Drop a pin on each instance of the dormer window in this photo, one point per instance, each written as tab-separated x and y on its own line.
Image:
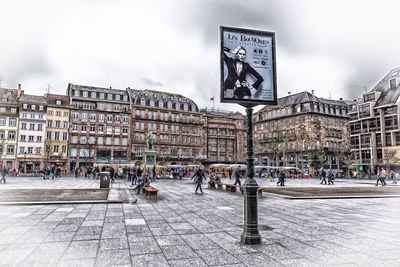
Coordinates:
369	97
41	108
85	93
33	107
76	92
93	94
143	101
58	102
101	95
393	83
117	97
9	93
4	99
25	106
109	96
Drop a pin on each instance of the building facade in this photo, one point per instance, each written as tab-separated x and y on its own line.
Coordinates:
57	130
31	134
9	118
100	125
225	134
303	131
176	123
374	126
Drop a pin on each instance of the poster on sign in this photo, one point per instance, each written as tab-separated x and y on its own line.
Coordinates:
248	67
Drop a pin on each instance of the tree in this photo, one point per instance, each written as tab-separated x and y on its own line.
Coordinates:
317	158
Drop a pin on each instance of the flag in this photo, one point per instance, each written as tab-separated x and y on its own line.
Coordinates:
212	99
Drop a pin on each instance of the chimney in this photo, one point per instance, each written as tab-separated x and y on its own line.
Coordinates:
289	93
312	92
19	90
341	99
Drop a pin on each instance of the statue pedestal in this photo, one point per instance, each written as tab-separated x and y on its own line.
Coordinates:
149	158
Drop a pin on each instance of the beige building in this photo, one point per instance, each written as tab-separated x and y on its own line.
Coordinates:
303	131
176	123
226	136
9	119
57	130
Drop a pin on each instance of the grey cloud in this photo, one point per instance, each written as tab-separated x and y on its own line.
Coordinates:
151	83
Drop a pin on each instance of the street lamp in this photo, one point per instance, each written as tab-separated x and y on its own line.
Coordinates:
25	162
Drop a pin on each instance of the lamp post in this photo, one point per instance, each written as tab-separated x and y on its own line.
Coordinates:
250	235
25	162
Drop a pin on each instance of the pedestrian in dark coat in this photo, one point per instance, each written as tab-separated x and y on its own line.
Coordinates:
199	179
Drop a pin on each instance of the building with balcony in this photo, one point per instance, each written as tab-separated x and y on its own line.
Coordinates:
31	134
57	130
374	126
99	126
176	123
225	134
9	119
303	131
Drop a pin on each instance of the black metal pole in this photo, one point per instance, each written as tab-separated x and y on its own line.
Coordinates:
250	235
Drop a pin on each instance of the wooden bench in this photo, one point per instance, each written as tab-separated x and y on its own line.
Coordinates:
150	192
219	186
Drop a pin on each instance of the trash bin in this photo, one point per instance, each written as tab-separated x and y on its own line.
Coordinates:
104	180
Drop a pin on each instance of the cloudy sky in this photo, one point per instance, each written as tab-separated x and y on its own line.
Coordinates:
336	48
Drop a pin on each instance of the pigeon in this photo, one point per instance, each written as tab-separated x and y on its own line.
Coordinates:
134	202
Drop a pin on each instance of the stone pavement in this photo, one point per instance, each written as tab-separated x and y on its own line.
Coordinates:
183	228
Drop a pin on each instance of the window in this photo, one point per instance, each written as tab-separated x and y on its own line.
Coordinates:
92	116
100	140
109	129
116	141
92	140
22	138
31	126
32	116
2	121
109	118
58	124
392	83
83	128
83	139
109	96
74	139
41	108
117	130
124	141
13	110
100	129
10	149
92	128
85	93
101	95
65	125
108	140
48	135
125	98
126	119
56	136
21	150
63	149
11	135
93	94
101	117
76	93
65	136
38	139
118	119
12	122
84	116
117	97
55	149
124	131
74	127
33	107
75	116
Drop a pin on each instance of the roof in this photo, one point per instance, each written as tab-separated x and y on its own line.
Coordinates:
304	97
34	99
383	84
52	100
388	97
97	89
11	95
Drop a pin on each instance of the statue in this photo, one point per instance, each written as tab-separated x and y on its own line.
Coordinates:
149	140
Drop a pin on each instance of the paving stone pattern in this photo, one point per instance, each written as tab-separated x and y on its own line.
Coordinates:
186	229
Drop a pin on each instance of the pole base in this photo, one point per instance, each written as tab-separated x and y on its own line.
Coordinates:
250	239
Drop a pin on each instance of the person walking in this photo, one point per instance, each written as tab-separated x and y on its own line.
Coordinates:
383	177
331	177
134	176
4	173
396	177
237	177
76	172
323	176
378	177
199	179
281	179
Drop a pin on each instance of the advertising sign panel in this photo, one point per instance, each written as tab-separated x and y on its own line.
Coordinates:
248	71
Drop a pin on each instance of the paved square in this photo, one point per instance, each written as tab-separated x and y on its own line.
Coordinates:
182	228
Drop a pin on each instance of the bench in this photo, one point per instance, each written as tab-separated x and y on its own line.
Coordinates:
150	192
228	187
